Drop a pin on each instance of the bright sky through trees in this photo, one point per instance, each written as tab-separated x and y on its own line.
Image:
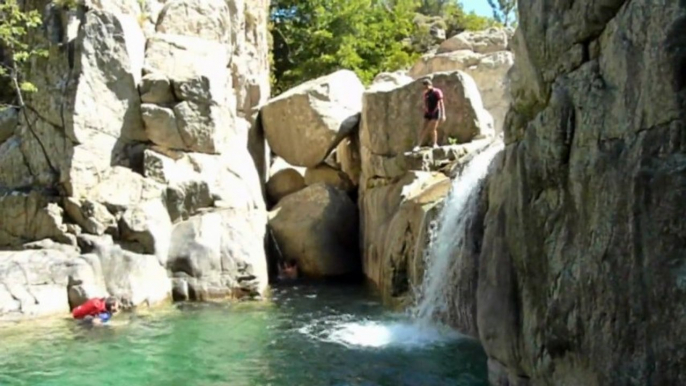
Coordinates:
481	7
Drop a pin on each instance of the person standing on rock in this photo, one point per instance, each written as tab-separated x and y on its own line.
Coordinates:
434	113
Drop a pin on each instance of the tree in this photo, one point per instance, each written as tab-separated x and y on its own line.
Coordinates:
311	38
314	37
434	7
15	24
504	11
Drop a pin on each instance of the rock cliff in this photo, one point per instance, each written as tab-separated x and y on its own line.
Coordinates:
582	272
486	56
400	192
138	155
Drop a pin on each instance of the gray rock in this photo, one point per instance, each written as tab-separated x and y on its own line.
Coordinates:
157	89
305	123
582	273
219	254
317	227
283	183
9	119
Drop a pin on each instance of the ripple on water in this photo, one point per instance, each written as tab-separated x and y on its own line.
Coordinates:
338	337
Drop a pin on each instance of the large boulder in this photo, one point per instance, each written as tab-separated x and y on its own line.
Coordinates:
35	283
392	118
283	183
123	188
330	176
483	42
582	273
490	72
42	282
207	19
304	124
317	227
133	277
195	67
148	224
219	254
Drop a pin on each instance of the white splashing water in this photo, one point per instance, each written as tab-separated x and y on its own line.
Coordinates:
355	333
448	236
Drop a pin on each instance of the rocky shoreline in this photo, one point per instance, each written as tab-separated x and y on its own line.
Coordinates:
153	160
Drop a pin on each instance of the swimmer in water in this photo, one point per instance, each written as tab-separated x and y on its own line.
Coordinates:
289	271
97	310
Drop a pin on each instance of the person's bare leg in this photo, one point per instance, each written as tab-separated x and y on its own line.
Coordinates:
422	134
434	132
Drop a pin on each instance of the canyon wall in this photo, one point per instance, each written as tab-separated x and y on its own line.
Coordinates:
133	171
583	269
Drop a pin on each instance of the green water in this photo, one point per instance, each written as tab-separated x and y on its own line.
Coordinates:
305	335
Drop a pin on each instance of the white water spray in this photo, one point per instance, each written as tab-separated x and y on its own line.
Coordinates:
449	236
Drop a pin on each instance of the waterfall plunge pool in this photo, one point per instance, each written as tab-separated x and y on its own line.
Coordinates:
307	335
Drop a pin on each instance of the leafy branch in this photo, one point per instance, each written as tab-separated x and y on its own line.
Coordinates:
15	24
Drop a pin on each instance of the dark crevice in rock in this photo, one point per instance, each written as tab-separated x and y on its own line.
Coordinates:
26	162
586	50
44	119
675	44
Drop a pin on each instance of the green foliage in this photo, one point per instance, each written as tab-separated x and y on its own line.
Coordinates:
311	38
457	20
68	4
504	11
434	7
14	27
316	37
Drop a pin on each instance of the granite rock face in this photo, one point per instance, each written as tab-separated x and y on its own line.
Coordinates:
304	124
582	272
486	56
142	124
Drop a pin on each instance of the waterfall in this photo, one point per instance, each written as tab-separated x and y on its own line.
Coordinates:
448	236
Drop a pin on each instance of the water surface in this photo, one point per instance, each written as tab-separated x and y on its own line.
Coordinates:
305	335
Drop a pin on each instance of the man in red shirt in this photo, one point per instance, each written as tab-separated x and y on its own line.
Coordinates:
434	113
97	309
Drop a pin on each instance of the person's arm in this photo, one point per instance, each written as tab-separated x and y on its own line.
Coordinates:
441	106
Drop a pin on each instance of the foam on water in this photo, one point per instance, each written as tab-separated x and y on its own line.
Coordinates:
377	334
